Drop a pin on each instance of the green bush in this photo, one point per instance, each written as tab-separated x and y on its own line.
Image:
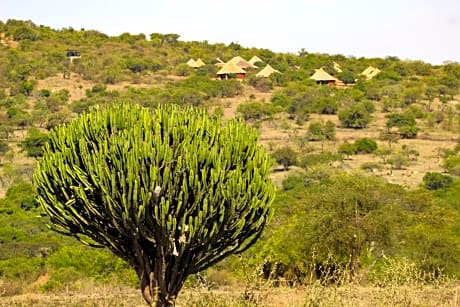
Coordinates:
452	164
436	181
408	132
356	117
256	110
23	269
365	145
371	166
22	195
285	156
310	160
293	182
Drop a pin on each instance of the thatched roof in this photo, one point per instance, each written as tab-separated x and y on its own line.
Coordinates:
370	72
241	62
199	63
266	71
230	68
219	63
337	67
192	63
254	60
321	75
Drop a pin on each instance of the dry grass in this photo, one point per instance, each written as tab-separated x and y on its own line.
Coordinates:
282	131
447	294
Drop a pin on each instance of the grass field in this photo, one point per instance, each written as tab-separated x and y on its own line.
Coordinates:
447	294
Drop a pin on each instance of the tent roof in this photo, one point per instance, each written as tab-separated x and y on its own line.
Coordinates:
337	67
254	60
370	72
266	71
192	63
200	62
219	63
321	75
241	62
230	68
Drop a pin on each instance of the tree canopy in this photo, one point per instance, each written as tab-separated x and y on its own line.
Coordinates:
171	192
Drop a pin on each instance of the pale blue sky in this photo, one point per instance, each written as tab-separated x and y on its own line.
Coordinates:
427	30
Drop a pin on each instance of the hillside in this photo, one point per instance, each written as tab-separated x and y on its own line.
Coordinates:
366	158
428	143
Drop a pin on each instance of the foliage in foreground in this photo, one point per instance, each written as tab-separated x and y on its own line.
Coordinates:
170	191
339	221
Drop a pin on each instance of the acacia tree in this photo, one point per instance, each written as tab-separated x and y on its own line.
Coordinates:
171	191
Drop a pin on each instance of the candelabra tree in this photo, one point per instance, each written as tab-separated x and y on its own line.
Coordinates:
172	191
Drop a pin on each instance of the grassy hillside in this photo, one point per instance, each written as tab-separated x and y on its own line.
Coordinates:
367	172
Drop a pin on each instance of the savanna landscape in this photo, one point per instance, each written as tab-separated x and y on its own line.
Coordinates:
365	166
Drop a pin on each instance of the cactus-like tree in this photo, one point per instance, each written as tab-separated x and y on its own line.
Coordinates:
171	191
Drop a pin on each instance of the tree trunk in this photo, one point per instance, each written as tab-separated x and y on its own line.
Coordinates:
152	294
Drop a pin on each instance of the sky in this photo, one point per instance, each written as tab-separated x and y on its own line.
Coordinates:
426	30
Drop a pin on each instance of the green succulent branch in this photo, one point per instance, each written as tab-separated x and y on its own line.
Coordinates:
172	191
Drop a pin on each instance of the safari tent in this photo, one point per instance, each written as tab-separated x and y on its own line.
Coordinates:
239	61
322	77
267	71
255	59
200	63
192	63
337	67
219	63
370	72
229	69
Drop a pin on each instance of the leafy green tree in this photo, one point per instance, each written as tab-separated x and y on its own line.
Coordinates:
285	156
329	130
408	132
356	117
326	105
405	122
347	149
365	145
34	142
412	95
436	181
170	191
337	228
347	76
318	131
256	110
18	117
27	87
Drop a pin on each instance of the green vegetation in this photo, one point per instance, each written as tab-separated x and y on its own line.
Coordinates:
171	192
394	225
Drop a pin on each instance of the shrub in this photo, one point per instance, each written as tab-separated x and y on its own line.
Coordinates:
436	181
347	149
285	156
293	182
22	194
356	117
319	158
255	110
326	105
452	164
371	166
365	145
408	132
